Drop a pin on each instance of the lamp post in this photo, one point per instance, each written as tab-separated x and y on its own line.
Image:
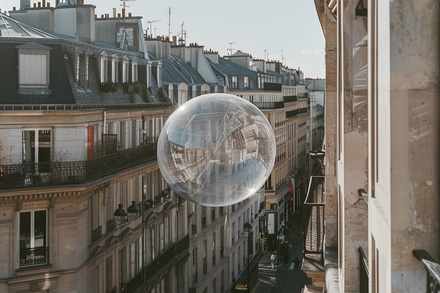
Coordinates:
248	228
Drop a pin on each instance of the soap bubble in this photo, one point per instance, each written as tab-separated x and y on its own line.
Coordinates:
216	150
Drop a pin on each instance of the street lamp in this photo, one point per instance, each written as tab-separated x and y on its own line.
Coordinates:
120	213
248	228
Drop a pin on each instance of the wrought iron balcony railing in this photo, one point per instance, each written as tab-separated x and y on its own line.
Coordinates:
314	210
75	172
158	264
34	256
432	269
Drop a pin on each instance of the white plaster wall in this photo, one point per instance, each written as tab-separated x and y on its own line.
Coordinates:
11	146
70	144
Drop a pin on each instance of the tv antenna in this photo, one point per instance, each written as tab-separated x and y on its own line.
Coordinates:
124	6
151	25
230	47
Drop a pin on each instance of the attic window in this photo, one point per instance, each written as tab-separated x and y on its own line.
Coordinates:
33	69
234	82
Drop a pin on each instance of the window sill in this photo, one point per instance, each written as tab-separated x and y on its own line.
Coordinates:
34	91
36	267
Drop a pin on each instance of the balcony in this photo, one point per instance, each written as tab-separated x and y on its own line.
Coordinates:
75	172
432	270
288	99
269	105
314	205
174	253
30	257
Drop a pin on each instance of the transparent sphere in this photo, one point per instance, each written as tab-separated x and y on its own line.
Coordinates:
216	150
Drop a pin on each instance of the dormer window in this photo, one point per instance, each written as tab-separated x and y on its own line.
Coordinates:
234	82
246	82
33	69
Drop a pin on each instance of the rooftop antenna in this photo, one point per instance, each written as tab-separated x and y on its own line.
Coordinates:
124	6
151	25
230	49
169	22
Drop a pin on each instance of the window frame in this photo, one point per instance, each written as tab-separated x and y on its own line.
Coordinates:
26	65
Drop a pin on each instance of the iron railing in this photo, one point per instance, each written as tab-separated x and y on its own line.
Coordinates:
314	205
432	269
34	256
363	272
149	272
75	172
269	105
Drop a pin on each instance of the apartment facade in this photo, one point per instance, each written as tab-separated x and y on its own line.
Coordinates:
381	160
85	207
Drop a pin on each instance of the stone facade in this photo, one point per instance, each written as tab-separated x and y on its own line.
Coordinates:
380	152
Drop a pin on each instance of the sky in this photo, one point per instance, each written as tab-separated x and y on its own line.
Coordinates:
282	30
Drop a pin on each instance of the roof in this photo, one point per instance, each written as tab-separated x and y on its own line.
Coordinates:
175	70
229	68
13	28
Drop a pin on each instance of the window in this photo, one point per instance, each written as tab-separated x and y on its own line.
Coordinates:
234	83
246	82
125	71
222	241
104	69
135	257
36	149
233	232
109	275
33	69
205	257
214	253
194	265
134	72
33	238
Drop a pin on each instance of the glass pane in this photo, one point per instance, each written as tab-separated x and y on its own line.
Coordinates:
29	146
40	229
25	230
44	150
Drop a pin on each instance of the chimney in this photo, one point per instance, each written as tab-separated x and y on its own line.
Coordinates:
48	4
129	14
107	16
39	4
123	12
81	2
114	12
174	40
13	8
44	3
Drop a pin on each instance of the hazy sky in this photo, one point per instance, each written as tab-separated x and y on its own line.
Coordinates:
276	29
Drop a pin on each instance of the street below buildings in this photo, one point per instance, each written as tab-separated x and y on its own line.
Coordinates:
289	275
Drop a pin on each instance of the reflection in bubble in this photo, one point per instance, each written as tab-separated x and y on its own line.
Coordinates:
216	150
